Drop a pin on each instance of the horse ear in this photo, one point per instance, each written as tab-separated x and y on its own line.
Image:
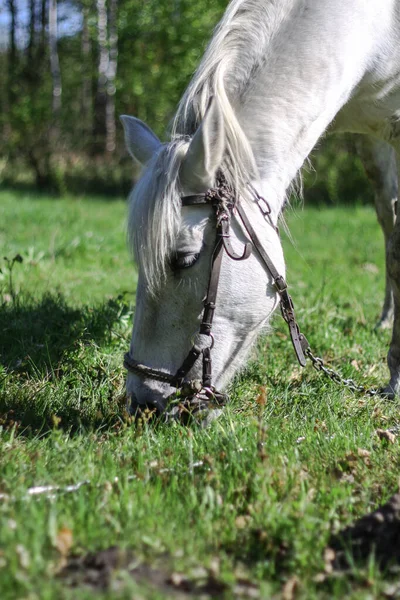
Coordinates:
205	152
140	140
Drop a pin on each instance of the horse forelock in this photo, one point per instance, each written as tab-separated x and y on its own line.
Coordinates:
155	212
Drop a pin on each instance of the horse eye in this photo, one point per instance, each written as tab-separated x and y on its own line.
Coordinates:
183	261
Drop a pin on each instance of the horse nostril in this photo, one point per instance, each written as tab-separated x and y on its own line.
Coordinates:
145	404
134	407
131	404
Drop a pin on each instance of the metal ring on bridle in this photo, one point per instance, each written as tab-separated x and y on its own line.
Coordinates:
210	335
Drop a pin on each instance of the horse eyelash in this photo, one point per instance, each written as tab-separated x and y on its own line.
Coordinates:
184	261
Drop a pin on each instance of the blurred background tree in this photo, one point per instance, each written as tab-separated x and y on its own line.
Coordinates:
68	68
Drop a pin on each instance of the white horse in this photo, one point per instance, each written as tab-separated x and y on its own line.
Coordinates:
275	76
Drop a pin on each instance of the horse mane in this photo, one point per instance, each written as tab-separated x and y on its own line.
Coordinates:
155	211
234	56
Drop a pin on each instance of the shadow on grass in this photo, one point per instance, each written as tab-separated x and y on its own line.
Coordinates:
52	365
257	545
37	336
375	534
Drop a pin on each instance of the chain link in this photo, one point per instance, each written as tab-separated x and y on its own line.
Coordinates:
319	365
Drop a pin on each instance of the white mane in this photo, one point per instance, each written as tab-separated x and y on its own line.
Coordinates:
230	63
155	211
234	57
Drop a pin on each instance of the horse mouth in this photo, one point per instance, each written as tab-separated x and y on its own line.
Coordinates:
201	408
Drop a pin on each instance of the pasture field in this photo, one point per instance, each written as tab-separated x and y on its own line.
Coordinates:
243	509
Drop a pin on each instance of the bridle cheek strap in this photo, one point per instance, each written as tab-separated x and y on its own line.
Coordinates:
299	341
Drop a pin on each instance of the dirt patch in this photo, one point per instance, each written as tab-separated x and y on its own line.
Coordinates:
102	570
377	533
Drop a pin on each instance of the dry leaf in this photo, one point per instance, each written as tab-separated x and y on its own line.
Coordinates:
215	566
364	455
391	590
329	557
246	589
107	486
347	478
281	335
386	434
262	397
320	426
362	452
370	267
351	460
295	375
23	556
198	573
177	579
319	578
290	588
64	541
242	521
378	414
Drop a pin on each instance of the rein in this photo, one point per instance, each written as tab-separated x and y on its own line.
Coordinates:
226	206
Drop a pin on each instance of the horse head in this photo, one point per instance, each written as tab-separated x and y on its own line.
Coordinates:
174	246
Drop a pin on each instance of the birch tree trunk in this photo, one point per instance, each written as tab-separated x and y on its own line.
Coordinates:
32	31
111	75
31	75
99	125
54	65
86	99
43	22
12	52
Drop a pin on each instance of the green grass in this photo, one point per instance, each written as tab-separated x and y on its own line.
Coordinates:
261	506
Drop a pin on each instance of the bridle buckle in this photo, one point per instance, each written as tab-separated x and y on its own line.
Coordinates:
280	284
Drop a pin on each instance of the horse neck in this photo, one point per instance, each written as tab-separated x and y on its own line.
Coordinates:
304	71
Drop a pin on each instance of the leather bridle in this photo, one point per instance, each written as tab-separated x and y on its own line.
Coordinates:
226	205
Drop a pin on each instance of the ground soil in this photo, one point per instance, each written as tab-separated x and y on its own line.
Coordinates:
377	533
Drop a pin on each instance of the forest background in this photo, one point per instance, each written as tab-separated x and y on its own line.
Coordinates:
69	68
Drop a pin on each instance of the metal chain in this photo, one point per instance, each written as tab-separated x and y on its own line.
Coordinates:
319	365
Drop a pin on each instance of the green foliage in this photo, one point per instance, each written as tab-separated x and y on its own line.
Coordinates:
337	175
159	46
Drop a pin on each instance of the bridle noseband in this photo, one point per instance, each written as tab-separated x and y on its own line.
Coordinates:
226	205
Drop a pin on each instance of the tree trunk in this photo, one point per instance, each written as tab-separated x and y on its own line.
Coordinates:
54	65
99	129
43	22
32	32
86	99
30	77
111	75
12	53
